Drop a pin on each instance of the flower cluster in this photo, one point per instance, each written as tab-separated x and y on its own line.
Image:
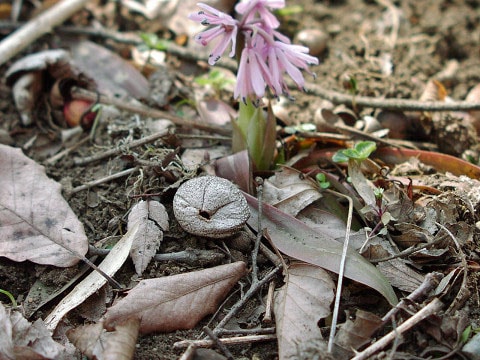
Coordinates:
267	54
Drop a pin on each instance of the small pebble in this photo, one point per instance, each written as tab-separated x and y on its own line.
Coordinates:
315	39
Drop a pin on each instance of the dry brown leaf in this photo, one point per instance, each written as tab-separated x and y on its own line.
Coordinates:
152	219
86	338
176	302
299	305
113	75
353	334
95	342
290	191
36	223
93	282
20	339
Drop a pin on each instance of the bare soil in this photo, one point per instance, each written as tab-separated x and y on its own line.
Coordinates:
362	44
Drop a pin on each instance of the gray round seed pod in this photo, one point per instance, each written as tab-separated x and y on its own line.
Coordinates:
210	206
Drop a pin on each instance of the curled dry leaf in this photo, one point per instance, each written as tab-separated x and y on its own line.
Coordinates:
355	333
237	168
176	302
36	223
210	206
152	219
21	339
299	305
290	191
119	344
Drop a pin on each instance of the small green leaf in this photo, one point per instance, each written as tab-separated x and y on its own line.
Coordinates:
365	148
339	156
466	334
290	10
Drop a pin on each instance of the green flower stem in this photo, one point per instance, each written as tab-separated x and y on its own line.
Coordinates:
256	132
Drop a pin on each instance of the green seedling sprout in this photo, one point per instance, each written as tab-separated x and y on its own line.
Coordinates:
290	10
153	42
360	152
322	181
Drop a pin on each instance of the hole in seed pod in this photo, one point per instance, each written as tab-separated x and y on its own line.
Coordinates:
204	214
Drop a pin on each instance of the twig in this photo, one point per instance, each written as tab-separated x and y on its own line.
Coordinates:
189	354
251	291
254	331
103	180
120	149
34	29
430	281
341	271
217	342
258	239
409	251
393	104
269	306
52	160
430	309
227	341
187	256
144	110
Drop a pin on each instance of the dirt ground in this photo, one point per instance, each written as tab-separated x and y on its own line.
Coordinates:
391	49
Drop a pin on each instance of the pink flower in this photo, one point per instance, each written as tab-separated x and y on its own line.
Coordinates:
226	29
288	58
253	75
249	8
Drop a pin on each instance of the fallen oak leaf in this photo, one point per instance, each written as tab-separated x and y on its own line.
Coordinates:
290	191
176	302
21	339
93	341
36	223
152	219
300	304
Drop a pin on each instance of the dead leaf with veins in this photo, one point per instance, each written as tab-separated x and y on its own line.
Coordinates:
353	334
176	302
152	219
290	191
21	339
93	341
36	223
299	305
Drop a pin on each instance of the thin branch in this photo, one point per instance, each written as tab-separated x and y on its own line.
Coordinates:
341	271
421	292
34	29
103	180
144	110
392	104
251	291
430	309
227	341
192	256
120	149
221	346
